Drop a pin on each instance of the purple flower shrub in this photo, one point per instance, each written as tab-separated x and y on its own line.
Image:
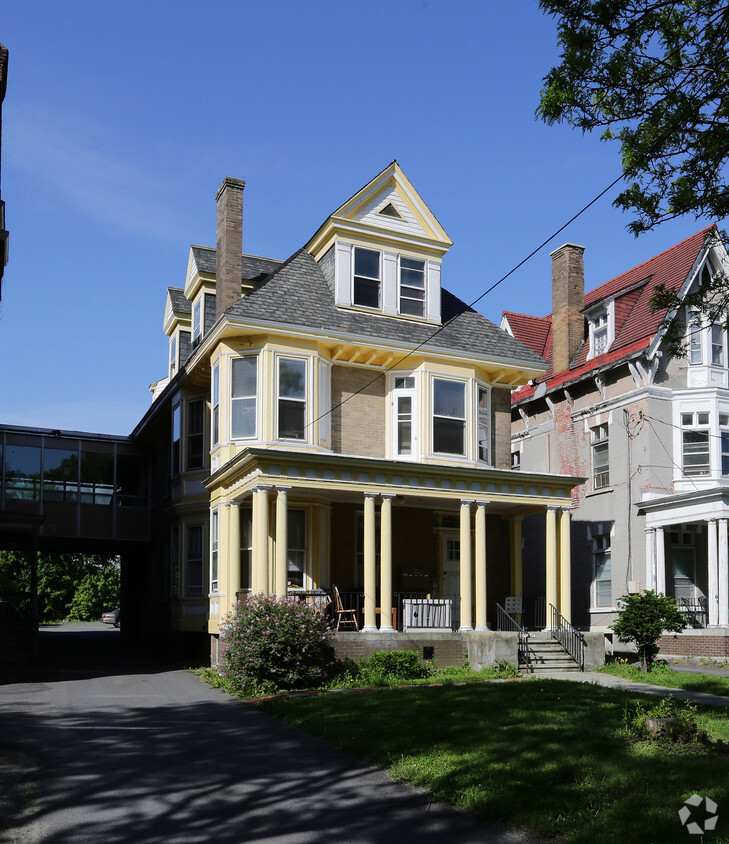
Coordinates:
270	644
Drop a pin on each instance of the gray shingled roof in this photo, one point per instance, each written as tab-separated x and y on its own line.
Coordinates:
180	305
253	268
298	295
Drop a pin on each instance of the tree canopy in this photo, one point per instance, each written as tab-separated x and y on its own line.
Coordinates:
653	75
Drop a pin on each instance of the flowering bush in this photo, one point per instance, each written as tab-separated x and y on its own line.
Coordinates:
270	644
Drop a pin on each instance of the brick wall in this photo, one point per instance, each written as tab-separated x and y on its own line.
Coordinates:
568	299
449	648
686	645
358	426
501	428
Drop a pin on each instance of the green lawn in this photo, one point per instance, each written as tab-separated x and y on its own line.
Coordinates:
713	684
543	754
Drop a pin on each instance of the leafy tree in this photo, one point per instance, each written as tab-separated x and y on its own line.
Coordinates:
642	620
97	592
651	74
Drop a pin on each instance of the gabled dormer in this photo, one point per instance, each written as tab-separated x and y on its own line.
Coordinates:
177	327
381	251
200	291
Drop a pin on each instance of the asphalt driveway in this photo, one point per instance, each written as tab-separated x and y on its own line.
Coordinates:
100	745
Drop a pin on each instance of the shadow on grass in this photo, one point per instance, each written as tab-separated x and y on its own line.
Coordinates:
543	754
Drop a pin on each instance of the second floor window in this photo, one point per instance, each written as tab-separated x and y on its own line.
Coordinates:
449	416
724	432
717	345
600	457
214	542
412	287
244	375
695	444
195	433
694	340
367	276
483	424
602	569
291	399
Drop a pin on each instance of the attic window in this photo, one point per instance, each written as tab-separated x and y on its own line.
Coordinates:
390	211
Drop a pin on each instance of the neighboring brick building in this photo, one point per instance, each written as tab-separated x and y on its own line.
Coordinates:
650	432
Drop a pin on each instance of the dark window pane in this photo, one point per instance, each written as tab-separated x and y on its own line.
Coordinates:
131	481
448	436
292	379
449	399
291	419
22	472
60	475
97	477
367	263
366	293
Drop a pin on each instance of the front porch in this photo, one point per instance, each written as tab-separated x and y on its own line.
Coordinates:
410	546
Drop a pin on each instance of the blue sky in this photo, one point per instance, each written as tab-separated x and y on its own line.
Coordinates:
121	120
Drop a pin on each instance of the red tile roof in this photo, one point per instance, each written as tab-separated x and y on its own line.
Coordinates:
635	323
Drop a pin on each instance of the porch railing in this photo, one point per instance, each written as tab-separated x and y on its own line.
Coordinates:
414	610
506	623
568	636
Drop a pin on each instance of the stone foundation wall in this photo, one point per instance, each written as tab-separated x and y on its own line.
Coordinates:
447	648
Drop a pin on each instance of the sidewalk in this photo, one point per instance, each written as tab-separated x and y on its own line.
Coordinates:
598	678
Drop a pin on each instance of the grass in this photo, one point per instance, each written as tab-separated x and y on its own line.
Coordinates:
548	755
663	675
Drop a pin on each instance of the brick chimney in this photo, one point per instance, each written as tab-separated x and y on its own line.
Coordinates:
229	244
568	300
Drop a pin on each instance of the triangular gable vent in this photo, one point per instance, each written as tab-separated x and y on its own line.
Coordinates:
390	211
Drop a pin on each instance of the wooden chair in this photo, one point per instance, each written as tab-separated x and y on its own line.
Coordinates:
343	616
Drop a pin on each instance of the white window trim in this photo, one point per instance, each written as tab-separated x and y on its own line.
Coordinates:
424	300
608	311
393	394
306	439
215	406
256	396
431	417
380	291
488	460
197	332
592	536
215	551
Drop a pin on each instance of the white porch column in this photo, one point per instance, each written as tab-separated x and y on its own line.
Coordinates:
465	568
660	561
551	561
480	559
516	556
724	572
713	563
281	566
232	555
386	564
370	564
259	574
650	559
565	565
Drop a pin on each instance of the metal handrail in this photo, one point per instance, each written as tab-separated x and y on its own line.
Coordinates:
506	623
568	636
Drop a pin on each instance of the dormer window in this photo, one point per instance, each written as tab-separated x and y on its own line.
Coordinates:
412	287
599	335
367	277
173	355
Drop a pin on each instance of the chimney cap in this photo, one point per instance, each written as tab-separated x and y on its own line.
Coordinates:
566	246
229	182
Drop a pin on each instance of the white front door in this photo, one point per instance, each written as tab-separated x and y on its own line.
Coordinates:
451	579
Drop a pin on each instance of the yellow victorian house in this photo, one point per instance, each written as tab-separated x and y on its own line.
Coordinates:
341	419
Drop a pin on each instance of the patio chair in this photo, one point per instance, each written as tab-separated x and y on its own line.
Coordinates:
343	616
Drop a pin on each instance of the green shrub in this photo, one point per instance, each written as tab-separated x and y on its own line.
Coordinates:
97	592
683	730
270	645
642	620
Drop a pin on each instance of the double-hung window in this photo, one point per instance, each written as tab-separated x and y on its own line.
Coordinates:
405	397
483	424
602	569
195	433
599	334
695	442
244	383
724	432
695	352
196	323
175	458
412	286
600	457
291	398
449	416
717	344
214	543
215	409
173	355
296	552
194	560
367	277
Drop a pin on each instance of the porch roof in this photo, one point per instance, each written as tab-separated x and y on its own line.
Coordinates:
695	506
346	478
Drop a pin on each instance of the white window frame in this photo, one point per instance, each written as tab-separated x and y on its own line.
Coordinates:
718	344
404	385
196	322
599	445
601	539
696	421
695	338
367	278
214	548
302	434
405	291
435	417
724	442
173	354
215	406
483	446
601	321
245	398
